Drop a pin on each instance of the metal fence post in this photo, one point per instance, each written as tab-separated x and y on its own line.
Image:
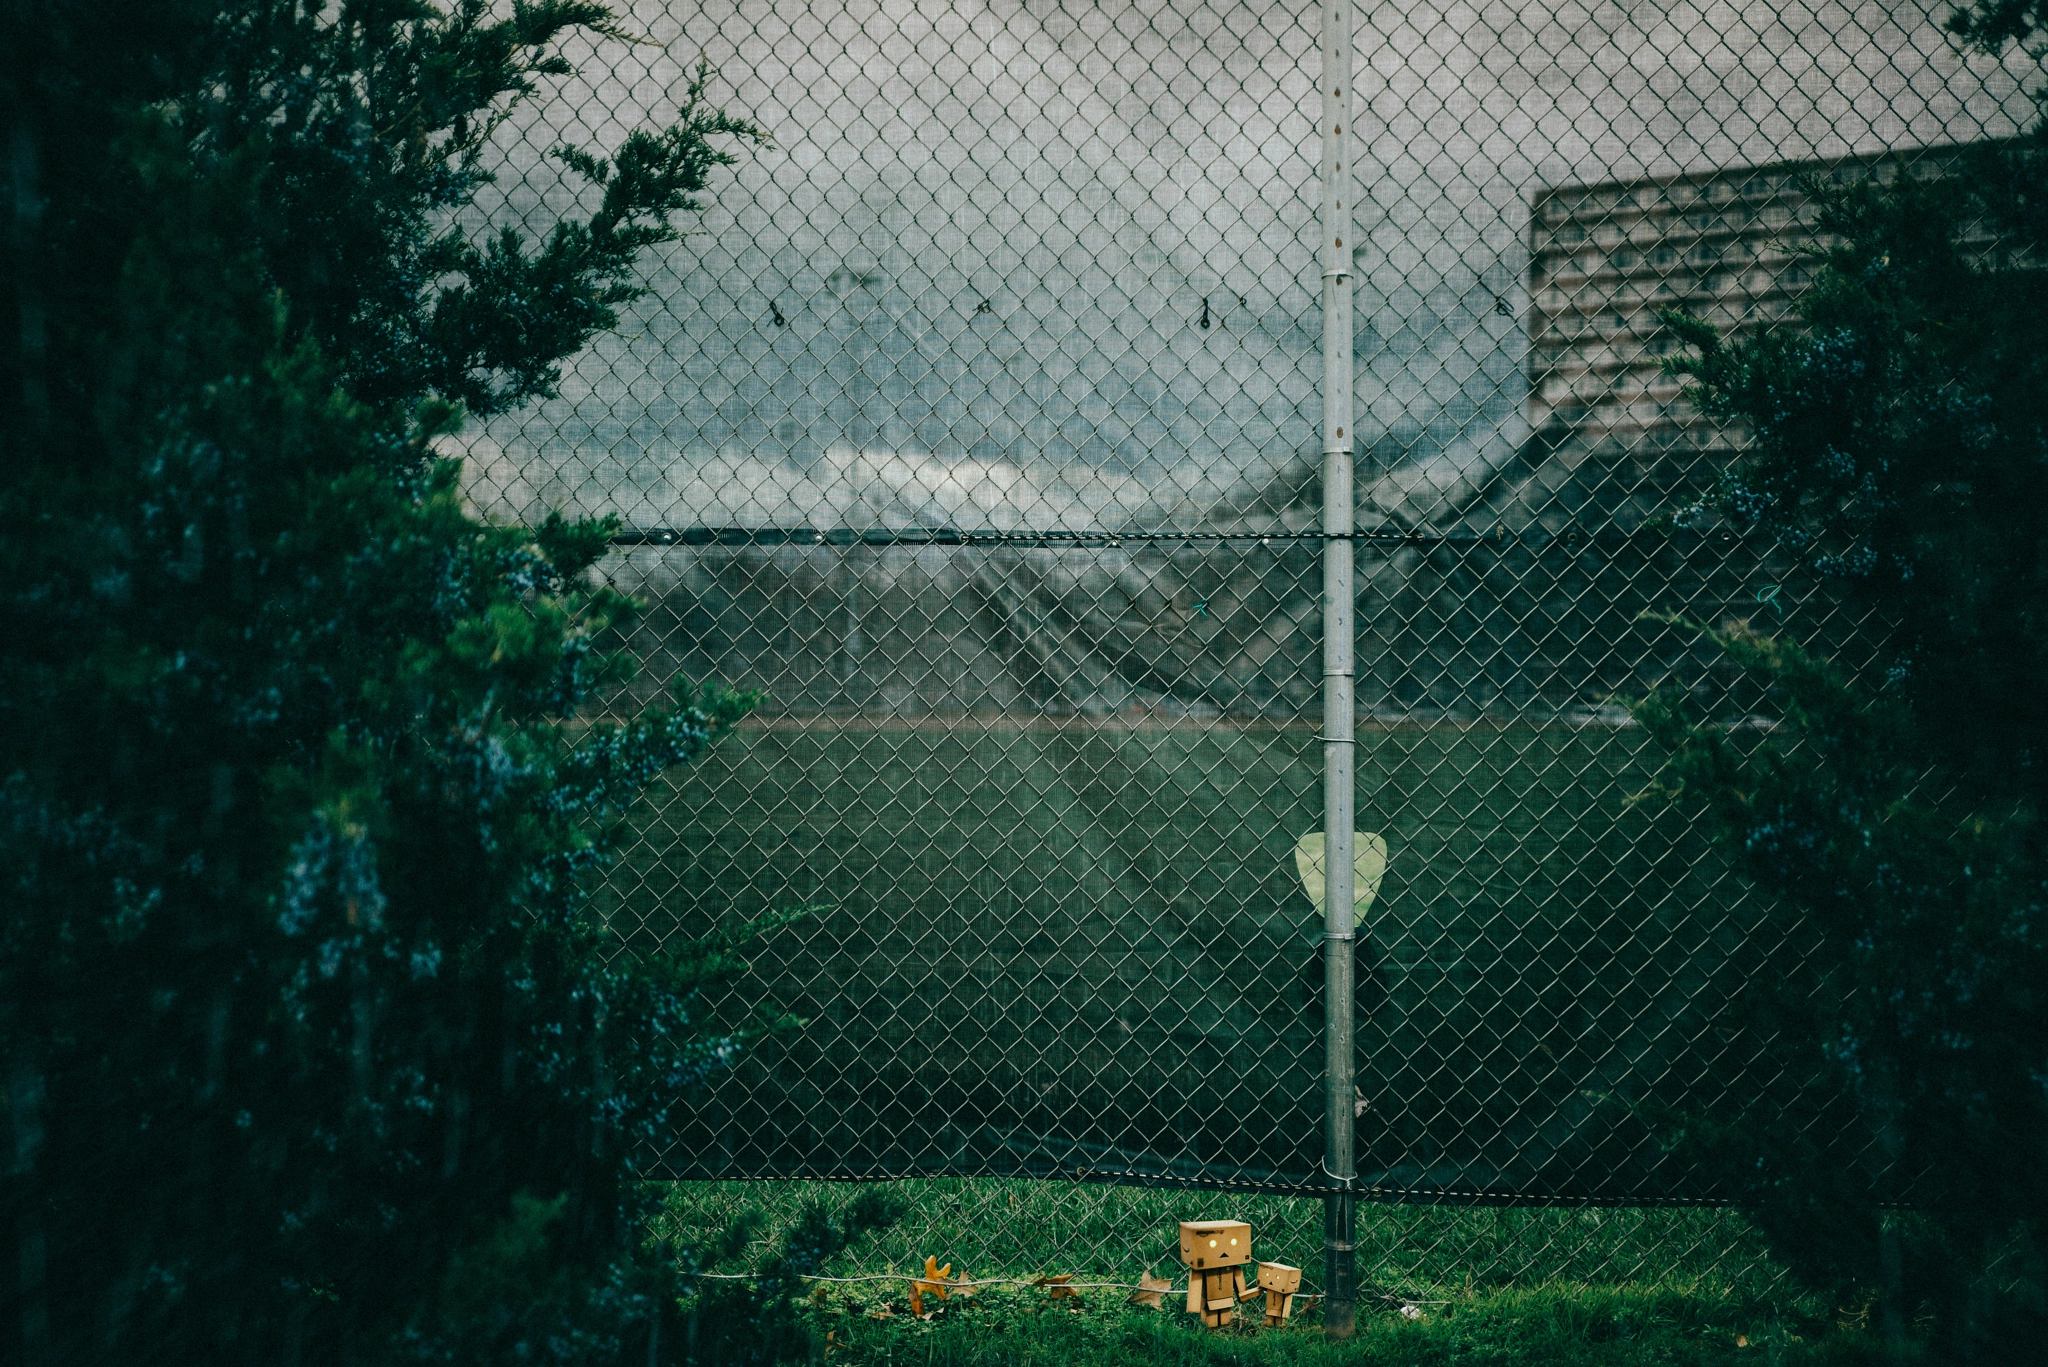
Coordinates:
1340	1088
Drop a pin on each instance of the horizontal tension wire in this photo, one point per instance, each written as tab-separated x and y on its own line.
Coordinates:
978	1283
953	536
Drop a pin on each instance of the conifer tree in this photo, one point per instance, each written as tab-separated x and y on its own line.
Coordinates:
312	1049
1899	451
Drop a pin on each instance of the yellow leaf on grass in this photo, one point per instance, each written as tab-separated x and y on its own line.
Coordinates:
937	1280
1151	1290
1368	866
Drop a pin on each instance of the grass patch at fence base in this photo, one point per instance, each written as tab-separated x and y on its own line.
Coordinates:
1562	1325
1017	1227
1485	1285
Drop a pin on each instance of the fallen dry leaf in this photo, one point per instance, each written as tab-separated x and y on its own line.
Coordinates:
1057	1288
937	1280
1151	1290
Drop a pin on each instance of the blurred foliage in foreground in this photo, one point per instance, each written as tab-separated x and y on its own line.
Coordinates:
1901	450
313	1051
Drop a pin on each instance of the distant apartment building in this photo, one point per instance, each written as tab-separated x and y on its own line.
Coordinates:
1732	247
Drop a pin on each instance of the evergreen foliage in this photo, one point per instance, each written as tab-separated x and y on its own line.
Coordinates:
1895	813
314	1049
759	1318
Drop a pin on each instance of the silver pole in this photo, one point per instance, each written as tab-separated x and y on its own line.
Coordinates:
1340	1088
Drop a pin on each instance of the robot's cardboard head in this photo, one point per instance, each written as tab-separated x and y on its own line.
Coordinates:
1279	1277
1209	1244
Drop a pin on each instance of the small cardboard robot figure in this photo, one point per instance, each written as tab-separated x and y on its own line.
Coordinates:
1279	1282
1215	1252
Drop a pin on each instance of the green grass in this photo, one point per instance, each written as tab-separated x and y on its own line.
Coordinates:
1022	1227
1092	929
1556	1326
1508	1287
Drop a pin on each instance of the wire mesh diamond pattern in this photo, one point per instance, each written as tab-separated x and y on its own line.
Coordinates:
976	420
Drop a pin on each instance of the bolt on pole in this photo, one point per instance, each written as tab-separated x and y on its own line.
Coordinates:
1340	1273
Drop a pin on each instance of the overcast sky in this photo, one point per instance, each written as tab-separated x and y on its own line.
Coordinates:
968	283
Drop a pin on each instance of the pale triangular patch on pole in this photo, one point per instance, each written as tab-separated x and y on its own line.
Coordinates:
1368	866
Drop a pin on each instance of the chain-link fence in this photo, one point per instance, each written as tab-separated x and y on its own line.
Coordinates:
979	422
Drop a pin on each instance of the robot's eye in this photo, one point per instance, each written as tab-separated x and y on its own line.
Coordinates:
1212	1243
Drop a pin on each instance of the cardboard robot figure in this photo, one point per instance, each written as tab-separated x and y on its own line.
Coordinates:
1216	1252
1279	1282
